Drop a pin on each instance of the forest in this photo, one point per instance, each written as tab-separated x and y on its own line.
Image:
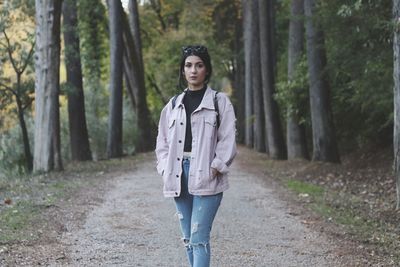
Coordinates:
310	80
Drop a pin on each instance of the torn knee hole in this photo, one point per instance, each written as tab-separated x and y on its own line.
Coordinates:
186	242
201	245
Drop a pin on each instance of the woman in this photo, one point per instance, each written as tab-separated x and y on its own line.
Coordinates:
195	147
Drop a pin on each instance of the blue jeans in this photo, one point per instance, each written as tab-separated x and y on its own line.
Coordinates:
196	215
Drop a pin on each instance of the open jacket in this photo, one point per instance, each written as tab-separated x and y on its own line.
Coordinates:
211	146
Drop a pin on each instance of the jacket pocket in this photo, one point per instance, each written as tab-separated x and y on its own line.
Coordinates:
210	125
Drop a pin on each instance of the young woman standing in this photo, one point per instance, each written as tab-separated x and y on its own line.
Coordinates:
195	147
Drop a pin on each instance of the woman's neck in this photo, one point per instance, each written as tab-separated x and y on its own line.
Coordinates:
196	88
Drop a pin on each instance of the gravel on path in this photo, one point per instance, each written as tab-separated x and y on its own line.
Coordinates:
137	226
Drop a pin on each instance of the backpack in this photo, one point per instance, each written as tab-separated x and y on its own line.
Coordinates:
215	106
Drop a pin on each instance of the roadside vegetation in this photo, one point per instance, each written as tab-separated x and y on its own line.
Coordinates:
353	201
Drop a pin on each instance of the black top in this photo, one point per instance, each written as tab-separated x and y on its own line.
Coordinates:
191	100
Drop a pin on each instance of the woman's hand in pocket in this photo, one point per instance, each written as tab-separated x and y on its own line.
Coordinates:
214	173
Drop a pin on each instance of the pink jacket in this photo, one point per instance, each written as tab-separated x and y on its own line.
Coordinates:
211	146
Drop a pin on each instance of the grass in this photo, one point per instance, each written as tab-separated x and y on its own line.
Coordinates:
344	210
305	188
14	221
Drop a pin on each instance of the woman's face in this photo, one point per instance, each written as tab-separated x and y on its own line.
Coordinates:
195	72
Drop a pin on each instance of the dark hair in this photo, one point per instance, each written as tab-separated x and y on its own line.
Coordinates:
194	50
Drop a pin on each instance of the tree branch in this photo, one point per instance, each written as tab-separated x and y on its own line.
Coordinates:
10	51
7	88
28	58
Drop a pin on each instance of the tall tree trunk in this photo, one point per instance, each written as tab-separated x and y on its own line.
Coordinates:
114	138
146	128
296	132
324	139
79	138
238	81
396	100
273	127
47	154
247	21
258	105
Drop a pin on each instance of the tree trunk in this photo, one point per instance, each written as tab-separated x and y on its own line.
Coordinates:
114	138
396	100
25	137
146	128
324	139
47	65
79	138
273	127
238	81
296	132
258	105
247	20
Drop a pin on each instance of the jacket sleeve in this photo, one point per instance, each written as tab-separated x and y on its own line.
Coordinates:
162	146
225	150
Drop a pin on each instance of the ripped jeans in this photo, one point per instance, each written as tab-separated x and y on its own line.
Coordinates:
196	215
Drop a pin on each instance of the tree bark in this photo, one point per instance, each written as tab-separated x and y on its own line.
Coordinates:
247	21
324	139
396	100
296	132
47	154
258	105
114	138
79	138
146	128
238	81
273	127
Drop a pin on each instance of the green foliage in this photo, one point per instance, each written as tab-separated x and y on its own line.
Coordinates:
358	42
12	158
292	95
301	187
129	131
14	221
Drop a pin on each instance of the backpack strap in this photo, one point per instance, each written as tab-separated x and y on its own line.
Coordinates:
216	108
174	101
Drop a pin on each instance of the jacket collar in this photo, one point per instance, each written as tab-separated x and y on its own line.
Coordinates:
207	102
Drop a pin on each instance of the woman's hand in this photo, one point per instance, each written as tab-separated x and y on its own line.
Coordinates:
214	173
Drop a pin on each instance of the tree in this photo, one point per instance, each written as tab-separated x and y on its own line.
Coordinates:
247	23
273	127
144	122
258	104
20	91
94	44
396	89
47	154
79	139
324	139
228	29
296	133
114	138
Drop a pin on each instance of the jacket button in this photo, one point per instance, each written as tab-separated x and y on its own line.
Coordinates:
178	159
180	141
177	176
181	123
176	193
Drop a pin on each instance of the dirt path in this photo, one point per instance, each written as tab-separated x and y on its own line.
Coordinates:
136	226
